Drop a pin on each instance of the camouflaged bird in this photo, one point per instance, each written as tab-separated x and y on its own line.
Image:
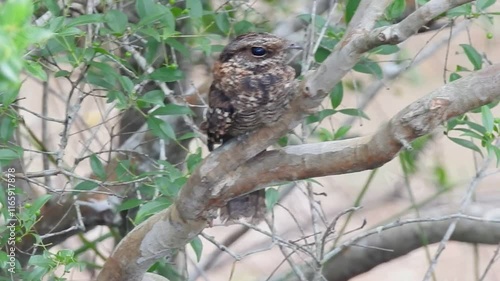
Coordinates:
251	89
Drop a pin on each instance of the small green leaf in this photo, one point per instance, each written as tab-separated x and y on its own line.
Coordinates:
454	76
466	143
341	132
222	21
488	120
336	95
7	126
396	9
120	99
167	74
195	8
129	204
484	4
462	10
193	160
97	167
62	73
474	57
197	246
126	83
151	208
469	133
35	69
86	185
324	134
116	20
155	97
321	54
160	128
145	8
350	8
242	27
16	13
39	202
385	50
369	67
8	155
85	19
272	197
354	112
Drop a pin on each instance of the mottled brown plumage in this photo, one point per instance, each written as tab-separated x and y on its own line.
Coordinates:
251	89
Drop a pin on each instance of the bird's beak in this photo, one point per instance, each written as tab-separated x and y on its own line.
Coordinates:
294	46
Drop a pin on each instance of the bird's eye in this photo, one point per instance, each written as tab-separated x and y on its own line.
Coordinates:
258	51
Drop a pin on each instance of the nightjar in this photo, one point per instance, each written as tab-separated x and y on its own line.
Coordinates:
251	89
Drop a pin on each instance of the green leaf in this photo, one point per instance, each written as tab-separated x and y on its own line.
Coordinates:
454	76
126	83
53	7
7	126
151	208
160	128
396	9
145	8
466	143
350	8
321	54
272	197
242	27
129	204
475	127
325	135
195	8
86	185
167	74
194	159
85	19
62	73
496	149
16	13
222	21
354	112
38	203
197	246
116	20
369	67
385	50
35	69
469	133
119	97
42	261
488	120
336	95
173	109
462	10
8	155
97	167
474	57
341	132
155	97
484	4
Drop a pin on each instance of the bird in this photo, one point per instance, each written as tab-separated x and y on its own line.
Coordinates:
250	89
